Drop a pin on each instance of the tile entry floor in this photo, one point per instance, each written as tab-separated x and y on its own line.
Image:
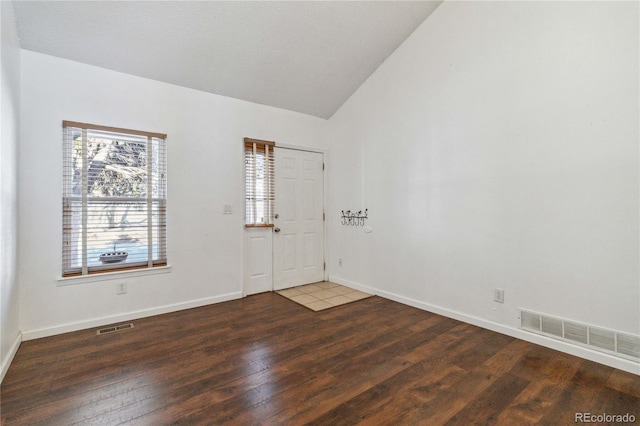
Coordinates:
322	295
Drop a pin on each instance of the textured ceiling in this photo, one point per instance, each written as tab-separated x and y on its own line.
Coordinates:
302	56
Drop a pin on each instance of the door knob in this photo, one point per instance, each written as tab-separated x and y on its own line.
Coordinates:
276	229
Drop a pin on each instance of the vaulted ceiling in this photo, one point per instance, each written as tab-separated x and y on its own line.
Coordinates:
301	56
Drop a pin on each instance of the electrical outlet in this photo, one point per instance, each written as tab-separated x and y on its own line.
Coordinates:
498	295
339	262
122	287
228	209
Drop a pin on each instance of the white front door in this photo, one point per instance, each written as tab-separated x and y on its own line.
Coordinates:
298	238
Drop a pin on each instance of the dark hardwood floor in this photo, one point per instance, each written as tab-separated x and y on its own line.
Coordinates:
267	360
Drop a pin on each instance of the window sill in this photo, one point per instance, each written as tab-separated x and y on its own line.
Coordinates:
83	279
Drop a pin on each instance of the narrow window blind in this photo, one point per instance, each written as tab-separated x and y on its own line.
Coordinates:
114	199
259	163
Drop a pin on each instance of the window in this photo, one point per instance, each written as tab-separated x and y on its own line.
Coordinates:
259	182
114	199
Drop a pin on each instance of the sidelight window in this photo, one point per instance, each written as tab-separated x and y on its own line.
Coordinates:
259	182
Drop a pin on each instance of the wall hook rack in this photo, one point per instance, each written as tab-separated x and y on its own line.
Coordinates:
355	218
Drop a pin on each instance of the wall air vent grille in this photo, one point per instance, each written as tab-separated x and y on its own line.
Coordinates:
576	332
629	345
530	321
552	326
620	344
603	339
114	328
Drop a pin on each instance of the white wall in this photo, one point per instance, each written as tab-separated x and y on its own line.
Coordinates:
498	147
9	109
205	171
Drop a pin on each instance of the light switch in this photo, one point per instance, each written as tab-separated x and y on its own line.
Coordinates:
228	209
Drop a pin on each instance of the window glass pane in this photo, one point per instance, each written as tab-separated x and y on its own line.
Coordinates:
158	215
260	211
116	165
258	188
158	181
72	248
116	228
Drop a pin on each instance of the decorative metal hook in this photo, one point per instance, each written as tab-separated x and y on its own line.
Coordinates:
355	218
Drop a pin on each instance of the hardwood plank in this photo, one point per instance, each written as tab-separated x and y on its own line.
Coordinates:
542	393
624	382
266	360
579	394
331	354
378	398
457	395
485	407
334	364
613	402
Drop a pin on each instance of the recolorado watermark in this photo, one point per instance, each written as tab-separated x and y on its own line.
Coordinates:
604	418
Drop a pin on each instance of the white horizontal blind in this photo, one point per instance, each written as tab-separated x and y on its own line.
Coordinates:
114	199
259	163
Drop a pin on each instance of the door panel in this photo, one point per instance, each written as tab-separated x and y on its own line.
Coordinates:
258	274
298	247
289	252
287	198
309	250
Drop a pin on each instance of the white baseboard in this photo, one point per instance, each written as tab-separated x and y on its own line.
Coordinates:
579	351
6	362
98	322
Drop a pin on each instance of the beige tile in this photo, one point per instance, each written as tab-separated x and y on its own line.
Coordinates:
338	300
357	295
290	292
342	290
304	298
327	285
323	294
318	306
309	288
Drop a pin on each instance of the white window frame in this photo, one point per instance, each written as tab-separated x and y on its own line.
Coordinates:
75	235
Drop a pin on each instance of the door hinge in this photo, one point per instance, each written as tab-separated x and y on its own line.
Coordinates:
324	266
322	166
323	216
